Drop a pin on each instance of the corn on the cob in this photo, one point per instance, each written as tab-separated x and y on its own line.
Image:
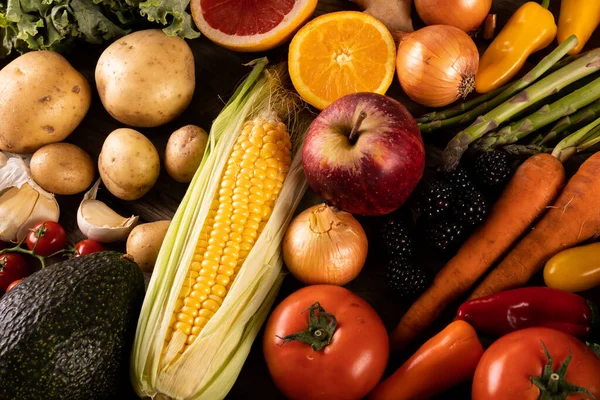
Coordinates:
248	189
164	366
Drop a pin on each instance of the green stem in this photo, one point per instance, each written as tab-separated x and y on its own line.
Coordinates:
505	92
545	3
32	253
591	140
539	90
568	146
553	385
549	113
320	330
595	348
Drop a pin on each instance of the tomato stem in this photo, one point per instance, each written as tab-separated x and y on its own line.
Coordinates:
553	385
320	330
595	348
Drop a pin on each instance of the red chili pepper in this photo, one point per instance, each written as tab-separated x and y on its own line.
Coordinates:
516	309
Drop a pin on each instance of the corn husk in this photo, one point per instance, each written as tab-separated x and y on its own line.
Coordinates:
209	367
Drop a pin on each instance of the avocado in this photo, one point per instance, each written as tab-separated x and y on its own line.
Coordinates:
67	330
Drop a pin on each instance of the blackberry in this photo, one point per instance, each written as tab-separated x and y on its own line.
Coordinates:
470	208
435	198
405	279
459	179
444	235
395	240
492	168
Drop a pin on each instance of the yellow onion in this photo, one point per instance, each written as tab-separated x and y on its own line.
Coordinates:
436	65
325	245
466	15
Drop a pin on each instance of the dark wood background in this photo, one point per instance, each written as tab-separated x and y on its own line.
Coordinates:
218	71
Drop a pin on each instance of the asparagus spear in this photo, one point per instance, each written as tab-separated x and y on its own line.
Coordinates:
494	99
459	108
563	125
468	105
568	146
525	149
549	113
488	122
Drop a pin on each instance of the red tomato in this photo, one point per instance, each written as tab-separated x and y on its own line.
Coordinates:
50	235
348	367
87	246
12	267
506	368
12	285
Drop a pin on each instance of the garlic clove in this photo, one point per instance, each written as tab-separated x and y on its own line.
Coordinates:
16	205
46	209
22	202
97	221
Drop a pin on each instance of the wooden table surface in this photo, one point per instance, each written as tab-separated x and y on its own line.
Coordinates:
217	73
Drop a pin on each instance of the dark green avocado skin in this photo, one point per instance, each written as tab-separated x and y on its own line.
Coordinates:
66	331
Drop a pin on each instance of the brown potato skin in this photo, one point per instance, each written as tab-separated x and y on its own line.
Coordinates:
144	242
62	168
184	152
129	164
42	100
146	79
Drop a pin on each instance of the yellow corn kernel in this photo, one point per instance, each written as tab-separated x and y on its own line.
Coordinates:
249	187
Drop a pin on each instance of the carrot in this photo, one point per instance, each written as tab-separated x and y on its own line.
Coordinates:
574	218
535	184
444	361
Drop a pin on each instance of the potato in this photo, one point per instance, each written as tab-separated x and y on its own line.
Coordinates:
129	164
184	152
146	78
62	168
144	242
42	100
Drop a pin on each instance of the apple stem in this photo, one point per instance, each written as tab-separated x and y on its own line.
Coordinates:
353	137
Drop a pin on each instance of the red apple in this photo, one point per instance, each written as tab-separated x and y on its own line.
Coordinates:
364	154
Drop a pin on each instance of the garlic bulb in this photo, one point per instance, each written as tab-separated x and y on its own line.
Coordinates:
22	202
99	222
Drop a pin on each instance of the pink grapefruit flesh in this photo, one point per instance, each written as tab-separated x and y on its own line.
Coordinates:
250	25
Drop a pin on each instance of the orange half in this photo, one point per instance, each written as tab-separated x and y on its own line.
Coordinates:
341	53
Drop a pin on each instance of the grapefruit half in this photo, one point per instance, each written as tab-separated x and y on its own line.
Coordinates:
250	25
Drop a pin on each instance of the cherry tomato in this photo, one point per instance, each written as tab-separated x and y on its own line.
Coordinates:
87	246
12	285
12	267
346	357
50	235
506	369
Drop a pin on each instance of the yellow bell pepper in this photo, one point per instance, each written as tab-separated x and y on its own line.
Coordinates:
579	18
574	270
530	29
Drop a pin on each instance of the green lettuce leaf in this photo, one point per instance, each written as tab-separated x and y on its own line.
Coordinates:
171	13
56	25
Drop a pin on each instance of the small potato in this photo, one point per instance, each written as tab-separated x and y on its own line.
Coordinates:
144	242
42	100
184	152
146	79
129	164
62	168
